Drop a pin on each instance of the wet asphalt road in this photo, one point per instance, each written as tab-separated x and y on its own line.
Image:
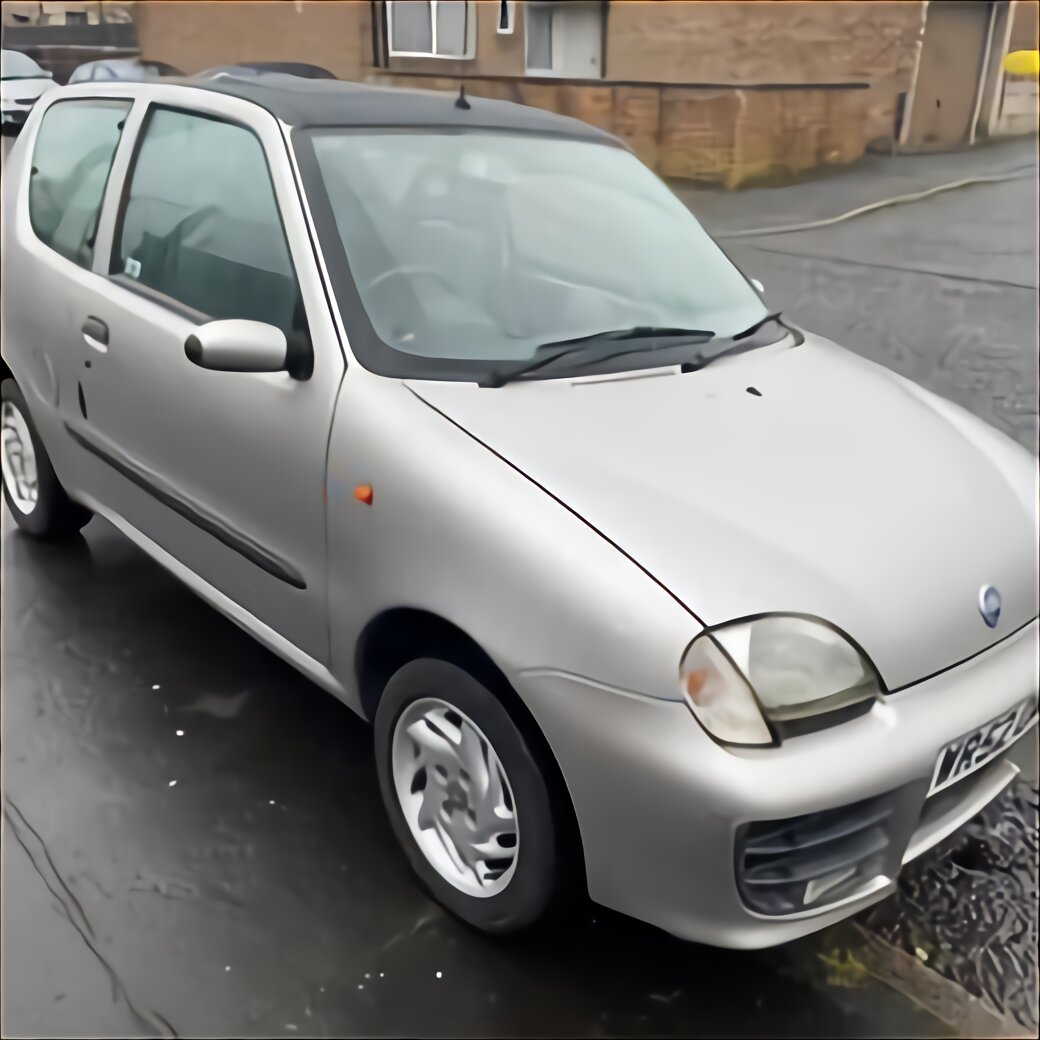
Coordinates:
193	838
263	892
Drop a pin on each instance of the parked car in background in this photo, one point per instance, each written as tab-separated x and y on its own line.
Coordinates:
259	68
22	81
127	69
456	407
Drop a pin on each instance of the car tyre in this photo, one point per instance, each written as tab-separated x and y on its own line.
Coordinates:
430	698
33	493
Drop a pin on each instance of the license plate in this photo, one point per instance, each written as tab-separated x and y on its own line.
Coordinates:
972	751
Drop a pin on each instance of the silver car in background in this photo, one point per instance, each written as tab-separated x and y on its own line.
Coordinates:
128	69
455	407
22	81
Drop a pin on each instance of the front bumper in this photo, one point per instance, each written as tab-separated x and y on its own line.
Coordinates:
662	809
15	113
14	120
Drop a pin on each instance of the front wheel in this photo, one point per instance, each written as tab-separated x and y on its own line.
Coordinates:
466	798
33	493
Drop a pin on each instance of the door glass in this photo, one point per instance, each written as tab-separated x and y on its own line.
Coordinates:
412	28
451	27
71	160
201	223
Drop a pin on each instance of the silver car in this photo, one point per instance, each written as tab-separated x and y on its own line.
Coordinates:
456	408
121	69
22	81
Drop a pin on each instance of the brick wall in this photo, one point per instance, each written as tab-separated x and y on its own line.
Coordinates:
766	41
674	70
1025	26
678	73
197	34
717	135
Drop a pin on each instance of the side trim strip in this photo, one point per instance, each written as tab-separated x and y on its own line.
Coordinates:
584	680
315	670
183	506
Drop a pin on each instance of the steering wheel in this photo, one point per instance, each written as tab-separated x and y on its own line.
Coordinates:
408	270
189	223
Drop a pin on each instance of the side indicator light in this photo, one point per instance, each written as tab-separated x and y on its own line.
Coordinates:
695	682
363	493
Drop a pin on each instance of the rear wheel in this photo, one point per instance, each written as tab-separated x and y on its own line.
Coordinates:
35	497
466	798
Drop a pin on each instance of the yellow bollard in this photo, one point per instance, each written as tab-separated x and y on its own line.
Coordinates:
1023	63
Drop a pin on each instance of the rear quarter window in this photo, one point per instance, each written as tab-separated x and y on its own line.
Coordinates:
71	160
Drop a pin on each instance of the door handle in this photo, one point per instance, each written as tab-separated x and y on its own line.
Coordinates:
95	334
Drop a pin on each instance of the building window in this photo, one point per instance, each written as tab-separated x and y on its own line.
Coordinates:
430	28
564	38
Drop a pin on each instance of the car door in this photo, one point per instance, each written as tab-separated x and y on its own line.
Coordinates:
53	191
224	471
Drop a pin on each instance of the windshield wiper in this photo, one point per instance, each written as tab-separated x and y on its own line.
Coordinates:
557	349
752	329
698	361
635	332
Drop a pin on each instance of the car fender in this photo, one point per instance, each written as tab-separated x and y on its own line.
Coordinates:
454	530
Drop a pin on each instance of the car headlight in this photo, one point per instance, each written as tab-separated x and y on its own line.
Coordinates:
739	678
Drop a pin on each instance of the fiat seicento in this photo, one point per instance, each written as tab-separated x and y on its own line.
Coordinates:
455	407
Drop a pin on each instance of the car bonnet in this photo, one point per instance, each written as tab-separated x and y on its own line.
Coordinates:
789	479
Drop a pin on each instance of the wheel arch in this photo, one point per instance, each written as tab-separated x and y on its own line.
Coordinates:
402	634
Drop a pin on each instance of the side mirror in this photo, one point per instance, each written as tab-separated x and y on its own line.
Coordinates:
237	345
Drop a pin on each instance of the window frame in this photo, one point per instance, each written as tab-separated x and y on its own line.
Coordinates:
89	265
509	6
120	277
469	50
558	42
371	351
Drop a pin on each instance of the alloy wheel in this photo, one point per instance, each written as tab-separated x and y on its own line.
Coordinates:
455	797
18	457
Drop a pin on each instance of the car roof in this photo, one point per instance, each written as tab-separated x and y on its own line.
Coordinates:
9	53
301	102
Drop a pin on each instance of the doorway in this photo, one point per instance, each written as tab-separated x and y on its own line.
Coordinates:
953	53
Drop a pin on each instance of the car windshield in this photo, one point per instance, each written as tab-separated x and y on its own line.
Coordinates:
484	245
15	65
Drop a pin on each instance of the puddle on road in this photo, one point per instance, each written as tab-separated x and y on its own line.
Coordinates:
971	906
218	706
